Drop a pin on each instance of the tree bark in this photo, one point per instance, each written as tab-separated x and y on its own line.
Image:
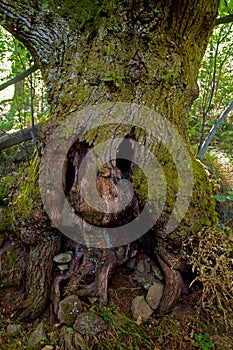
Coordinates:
138	52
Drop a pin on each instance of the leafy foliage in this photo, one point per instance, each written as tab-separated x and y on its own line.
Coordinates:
28	103
203	341
225	7
215	82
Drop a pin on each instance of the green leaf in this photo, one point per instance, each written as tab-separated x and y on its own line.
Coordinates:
108	79
230	132
45	5
219	198
7	126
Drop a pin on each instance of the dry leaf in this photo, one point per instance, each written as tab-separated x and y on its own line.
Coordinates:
139	320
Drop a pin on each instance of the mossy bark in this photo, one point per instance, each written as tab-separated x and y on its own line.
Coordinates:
137	52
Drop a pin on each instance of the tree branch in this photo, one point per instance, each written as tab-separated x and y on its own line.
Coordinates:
17	137
39	29
213	130
19	77
224	20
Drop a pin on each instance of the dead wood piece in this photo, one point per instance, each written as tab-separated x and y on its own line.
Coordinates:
19	136
173	287
19	77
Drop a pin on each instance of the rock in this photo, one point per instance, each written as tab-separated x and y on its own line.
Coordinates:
68	310
131	263
13	329
140	308
140	266
89	323
154	295
158	272
63	267
63	258
120	252
36	336
92	300
145	272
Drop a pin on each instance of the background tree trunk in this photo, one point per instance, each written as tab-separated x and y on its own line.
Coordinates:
138	52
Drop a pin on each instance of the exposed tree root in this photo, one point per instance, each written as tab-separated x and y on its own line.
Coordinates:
104	273
89	274
174	285
73	270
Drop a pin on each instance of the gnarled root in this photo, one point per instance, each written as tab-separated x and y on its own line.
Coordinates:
93	275
90	277
73	270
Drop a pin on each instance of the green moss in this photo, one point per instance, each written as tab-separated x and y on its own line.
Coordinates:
8	187
29	194
201	212
139	184
1	239
11	258
79	12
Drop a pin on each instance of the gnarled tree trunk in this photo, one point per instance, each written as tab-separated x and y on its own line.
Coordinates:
146	53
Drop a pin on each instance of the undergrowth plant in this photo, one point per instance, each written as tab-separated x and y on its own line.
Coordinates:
210	255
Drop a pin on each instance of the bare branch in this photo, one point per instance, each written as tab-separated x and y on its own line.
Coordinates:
17	137
19	77
224	20
213	130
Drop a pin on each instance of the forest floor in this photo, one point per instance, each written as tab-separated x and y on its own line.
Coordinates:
184	328
187	326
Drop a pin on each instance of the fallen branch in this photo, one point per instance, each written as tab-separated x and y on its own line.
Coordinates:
17	137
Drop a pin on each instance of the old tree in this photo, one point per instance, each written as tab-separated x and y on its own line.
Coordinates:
93	52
